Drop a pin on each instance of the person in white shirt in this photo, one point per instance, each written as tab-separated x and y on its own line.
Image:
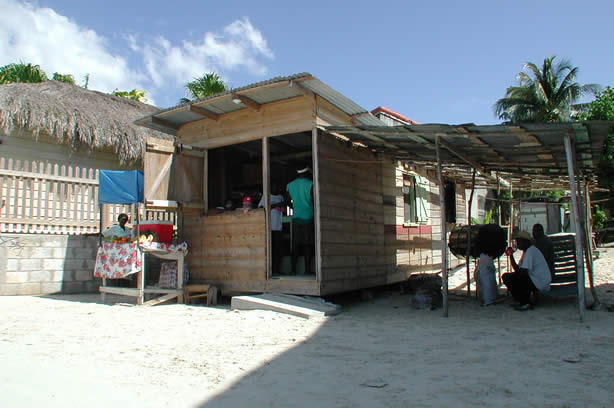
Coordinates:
118	230
277	201
531	274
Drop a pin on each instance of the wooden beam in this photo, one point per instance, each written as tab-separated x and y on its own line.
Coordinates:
576	214
471	162
301	88
443	227
250	103
297	155
203	112
206	182
588	250
316	205
161	299
164	146
266	201
164	123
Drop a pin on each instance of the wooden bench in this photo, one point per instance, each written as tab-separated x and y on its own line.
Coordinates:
199	291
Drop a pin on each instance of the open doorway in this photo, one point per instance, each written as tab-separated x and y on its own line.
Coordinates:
235	175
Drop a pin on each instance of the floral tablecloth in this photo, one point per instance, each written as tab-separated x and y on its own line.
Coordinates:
116	261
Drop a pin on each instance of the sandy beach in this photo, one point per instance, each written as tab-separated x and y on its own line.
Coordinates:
69	351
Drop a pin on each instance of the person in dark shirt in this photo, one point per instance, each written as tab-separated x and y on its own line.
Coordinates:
545	245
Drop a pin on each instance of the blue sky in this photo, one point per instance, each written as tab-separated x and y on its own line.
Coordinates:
434	62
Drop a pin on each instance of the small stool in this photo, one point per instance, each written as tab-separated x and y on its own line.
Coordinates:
197	291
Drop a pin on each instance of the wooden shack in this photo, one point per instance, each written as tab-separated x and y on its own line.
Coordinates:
376	220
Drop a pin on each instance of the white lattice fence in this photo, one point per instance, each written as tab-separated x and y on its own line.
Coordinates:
37	196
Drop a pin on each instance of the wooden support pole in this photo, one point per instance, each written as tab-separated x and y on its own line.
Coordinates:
588	242
499	222
316	205
206	181
444	232
468	254
266	203
510	229
576	213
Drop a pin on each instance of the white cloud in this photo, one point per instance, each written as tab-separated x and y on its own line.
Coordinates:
58	44
241	46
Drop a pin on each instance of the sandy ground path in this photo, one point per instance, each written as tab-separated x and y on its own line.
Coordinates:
72	351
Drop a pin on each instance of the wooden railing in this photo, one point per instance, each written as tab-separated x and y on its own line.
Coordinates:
45	198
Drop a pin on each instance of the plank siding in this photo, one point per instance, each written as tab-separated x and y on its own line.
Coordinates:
352	229
228	249
410	249
272	119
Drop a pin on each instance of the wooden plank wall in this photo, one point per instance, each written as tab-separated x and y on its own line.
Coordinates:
272	119
228	249
416	248
409	249
352	227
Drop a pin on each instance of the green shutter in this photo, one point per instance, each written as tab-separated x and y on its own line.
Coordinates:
422	185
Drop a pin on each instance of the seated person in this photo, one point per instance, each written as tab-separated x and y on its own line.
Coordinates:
531	274
545	245
118	230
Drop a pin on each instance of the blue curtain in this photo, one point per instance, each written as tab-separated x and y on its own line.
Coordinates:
120	187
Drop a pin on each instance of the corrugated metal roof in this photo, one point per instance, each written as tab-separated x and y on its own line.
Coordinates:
264	92
531	156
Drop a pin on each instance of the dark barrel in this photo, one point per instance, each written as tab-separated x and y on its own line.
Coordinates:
490	239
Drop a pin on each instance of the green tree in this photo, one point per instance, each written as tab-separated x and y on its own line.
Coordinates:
602	108
67	78
543	94
21	72
204	86
135	95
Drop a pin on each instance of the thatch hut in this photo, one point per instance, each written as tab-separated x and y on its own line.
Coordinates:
53	139
78	119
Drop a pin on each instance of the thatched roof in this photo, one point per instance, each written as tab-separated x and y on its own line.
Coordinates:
76	116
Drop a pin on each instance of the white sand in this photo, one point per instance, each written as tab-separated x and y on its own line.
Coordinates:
71	351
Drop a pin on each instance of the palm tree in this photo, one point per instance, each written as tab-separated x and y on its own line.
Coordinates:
134	95
543	95
21	73
207	85
66	78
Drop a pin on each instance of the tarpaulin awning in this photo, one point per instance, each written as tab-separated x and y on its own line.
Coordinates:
120	187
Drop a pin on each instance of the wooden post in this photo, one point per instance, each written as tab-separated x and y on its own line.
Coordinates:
499	222
468	254
316	204
205	181
576	213
266	203
180	261
510	229
588	242
444	233
104	280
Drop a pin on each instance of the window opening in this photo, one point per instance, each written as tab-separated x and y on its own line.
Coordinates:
450	200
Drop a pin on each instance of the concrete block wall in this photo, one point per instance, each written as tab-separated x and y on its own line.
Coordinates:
33	264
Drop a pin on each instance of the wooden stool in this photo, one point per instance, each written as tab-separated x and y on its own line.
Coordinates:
197	291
